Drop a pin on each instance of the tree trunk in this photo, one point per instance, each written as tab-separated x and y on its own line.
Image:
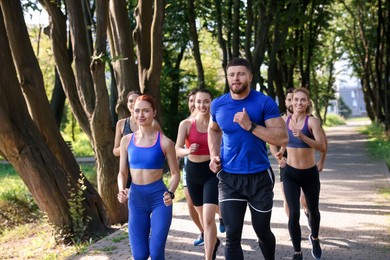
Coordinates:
86	102
58	98
148	38
58	34
195	42
122	53
221	40
103	133
40	156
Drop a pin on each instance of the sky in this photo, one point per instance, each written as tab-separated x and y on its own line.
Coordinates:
37	18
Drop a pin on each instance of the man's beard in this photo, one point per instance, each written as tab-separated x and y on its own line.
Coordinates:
244	87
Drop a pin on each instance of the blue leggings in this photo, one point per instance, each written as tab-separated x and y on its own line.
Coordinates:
149	220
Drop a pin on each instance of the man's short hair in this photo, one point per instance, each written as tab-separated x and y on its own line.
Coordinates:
239	62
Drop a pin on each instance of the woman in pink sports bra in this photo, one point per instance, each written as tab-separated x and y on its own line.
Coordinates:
202	183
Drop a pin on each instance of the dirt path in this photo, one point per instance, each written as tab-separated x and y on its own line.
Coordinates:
355	218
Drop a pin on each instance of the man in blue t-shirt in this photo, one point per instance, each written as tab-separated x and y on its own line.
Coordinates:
242	121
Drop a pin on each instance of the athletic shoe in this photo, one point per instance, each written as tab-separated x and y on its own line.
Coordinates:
222	228
199	241
216	248
316	251
308	222
297	256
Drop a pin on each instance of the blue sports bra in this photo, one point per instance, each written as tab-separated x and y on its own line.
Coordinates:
150	157
295	142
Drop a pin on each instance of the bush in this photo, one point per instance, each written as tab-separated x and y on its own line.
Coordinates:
379	142
81	146
17	205
334	120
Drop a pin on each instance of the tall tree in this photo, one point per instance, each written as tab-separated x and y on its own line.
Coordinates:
122	54
33	143
148	36
191	14
89	102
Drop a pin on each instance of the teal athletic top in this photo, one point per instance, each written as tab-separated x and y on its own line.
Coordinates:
150	157
241	151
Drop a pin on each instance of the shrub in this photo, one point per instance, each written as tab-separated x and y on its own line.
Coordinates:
334	120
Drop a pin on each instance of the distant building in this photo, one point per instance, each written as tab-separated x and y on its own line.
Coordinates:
350	90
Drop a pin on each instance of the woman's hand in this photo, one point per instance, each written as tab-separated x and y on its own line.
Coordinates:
193	148
167	199
123	195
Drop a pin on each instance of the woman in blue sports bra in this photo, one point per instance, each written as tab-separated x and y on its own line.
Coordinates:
305	137
149	201
128	125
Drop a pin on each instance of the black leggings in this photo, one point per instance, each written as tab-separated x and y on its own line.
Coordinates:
309	181
236	192
233	213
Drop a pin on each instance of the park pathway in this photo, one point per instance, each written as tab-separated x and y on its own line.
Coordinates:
355	218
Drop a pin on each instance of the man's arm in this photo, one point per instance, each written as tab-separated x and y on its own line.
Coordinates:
214	138
274	132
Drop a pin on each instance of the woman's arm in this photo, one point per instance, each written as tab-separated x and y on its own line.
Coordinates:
321	162
318	143
180	140
123	169
118	137
170	155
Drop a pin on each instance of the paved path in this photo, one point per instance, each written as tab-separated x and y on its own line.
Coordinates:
355	219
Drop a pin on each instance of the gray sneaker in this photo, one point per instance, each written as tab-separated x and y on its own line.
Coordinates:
316	250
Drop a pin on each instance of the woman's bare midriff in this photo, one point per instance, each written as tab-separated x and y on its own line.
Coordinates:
144	176
301	158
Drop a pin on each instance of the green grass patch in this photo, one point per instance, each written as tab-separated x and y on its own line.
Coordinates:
120	237
17	205
80	145
334	120
378	143
385	192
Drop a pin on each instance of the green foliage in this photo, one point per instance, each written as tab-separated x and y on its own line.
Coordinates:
344	109
379	142
80	144
334	120
90	173
43	50
77	211
17	205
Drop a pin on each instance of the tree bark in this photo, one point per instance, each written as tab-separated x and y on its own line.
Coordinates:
86	99
148	38
103	134
40	156
122	53
64	64
195	42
